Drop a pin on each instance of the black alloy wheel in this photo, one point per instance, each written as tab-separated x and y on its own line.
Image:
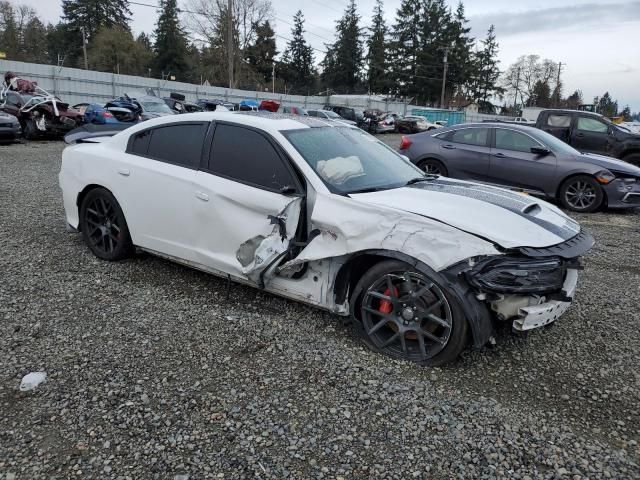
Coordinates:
407	315
581	194
103	226
433	167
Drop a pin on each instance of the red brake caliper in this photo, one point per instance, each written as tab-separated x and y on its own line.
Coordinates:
385	305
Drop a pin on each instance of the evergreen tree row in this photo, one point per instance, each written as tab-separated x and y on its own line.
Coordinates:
404	59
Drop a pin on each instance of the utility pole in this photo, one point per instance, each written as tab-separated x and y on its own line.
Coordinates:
84	49
515	102
444	77
557	99
273	77
230	40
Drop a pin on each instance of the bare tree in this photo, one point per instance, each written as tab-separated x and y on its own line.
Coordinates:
521	78
208	18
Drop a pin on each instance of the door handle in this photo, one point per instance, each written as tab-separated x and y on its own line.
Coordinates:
499	155
124	172
202	196
580	135
449	147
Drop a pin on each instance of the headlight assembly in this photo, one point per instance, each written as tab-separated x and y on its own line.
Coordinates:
518	275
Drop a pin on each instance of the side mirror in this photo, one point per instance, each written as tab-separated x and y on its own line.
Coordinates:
540	151
288	190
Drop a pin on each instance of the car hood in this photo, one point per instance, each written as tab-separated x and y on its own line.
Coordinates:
500	216
609	163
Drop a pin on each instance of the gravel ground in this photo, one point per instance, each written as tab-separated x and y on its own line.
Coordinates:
153	373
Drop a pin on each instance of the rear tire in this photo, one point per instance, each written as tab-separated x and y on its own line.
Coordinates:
633	159
419	321
433	166
581	193
104	227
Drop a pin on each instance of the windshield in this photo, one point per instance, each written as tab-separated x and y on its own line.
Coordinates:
554	143
349	160
156	107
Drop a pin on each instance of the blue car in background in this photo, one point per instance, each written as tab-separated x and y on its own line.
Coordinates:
114	112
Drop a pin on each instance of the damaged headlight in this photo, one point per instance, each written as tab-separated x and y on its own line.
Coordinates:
518	275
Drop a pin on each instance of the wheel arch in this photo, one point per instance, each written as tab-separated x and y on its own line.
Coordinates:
605	199
83	193
476	312
630	152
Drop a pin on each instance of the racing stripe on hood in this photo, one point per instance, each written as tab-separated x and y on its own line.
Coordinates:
522	205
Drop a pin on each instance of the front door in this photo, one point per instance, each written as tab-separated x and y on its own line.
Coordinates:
514	165
590	135
248	203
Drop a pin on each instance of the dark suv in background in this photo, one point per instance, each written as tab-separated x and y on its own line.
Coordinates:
348	113
591	133
525	159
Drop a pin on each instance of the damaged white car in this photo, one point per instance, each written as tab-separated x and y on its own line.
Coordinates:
325	214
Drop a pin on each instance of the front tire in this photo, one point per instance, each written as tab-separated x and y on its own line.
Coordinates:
409	315
581	193
104	227
30	129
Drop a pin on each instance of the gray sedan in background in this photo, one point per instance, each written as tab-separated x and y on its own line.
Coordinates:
526	159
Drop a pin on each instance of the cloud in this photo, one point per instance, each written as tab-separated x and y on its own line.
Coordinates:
557	18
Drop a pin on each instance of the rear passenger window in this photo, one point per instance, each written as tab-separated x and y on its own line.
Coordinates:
563	121
248	157
179	144
140	143
470	136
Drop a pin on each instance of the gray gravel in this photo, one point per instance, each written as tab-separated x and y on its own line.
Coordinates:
154	373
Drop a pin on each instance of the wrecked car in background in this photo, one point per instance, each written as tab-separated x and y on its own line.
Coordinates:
327	215
40	114
178	103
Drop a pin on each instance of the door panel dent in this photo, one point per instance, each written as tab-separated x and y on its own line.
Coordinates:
257	253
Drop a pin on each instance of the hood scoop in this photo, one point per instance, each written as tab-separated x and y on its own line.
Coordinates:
532	209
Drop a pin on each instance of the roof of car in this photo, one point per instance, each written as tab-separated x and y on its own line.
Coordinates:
261	119
513	126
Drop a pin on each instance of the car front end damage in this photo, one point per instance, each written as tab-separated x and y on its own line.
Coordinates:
529	287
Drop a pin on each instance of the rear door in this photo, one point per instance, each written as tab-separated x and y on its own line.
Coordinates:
591	135
513	164
157	185
466	152
558	124
249	201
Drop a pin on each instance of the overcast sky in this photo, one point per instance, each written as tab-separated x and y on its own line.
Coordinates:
598	42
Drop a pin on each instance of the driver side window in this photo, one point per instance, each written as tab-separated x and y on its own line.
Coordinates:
512	140
592	125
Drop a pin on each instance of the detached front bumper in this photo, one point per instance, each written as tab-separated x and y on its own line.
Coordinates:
536	316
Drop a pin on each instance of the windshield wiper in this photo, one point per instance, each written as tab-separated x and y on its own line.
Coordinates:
368	190
427	178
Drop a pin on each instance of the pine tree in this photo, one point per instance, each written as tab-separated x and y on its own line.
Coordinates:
487	71
434	38
34	41
93	15
403	49
377	52
461	65
9	32
170	47
344	58
261	54
297	60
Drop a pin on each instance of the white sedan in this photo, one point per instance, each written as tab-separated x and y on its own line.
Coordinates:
326	214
